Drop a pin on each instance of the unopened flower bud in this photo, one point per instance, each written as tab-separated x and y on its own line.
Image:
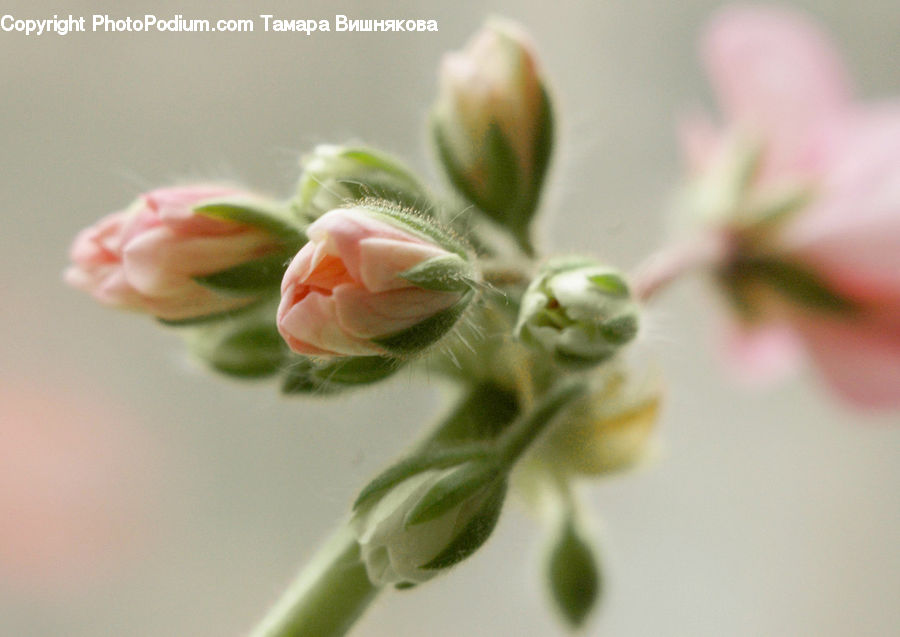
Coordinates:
608	430
428	522
373	281
154	257
335	176
493	124
578	311
248	346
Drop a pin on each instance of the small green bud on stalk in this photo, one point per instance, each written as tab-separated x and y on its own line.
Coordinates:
578	311
336	176
428	522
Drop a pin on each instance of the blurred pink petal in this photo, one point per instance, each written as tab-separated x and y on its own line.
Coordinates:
777	74
779	80
763	354
861	362
75	487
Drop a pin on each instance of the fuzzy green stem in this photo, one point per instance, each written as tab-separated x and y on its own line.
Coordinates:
328	596
516	440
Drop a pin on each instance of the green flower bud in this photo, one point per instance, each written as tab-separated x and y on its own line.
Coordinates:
578	311
335	176
610	429
428	522
573	574
247	345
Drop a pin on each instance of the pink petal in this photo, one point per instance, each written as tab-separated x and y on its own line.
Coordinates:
853	234
776	73
368	315
174	207
159	260
762	355
699	140
861	361
382	259
342	231
313	321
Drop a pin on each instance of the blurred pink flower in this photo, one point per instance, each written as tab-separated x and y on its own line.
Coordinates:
780	83
144	258
342	289
75	487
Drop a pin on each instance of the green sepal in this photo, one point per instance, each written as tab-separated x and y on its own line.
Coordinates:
573	576
250	352
418	224
503	181
452	489
257	214
298	379
352	174
358	370
446	273
575	361
611	284
251	277
394	182
305	376
476	531
543	150
404	586
408	467
620	330
795	282
453	170
387	189
426	332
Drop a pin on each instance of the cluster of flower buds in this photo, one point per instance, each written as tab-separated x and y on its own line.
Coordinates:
360	272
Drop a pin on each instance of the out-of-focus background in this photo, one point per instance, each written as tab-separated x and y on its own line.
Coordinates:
141	496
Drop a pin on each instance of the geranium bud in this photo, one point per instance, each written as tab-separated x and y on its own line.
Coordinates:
153	256
248	346
492	124
608	430
335	176
373	281
428	522
578	311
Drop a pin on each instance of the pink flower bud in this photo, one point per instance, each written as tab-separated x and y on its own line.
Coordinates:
826	268
145	257
344	292
493	123
494	80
